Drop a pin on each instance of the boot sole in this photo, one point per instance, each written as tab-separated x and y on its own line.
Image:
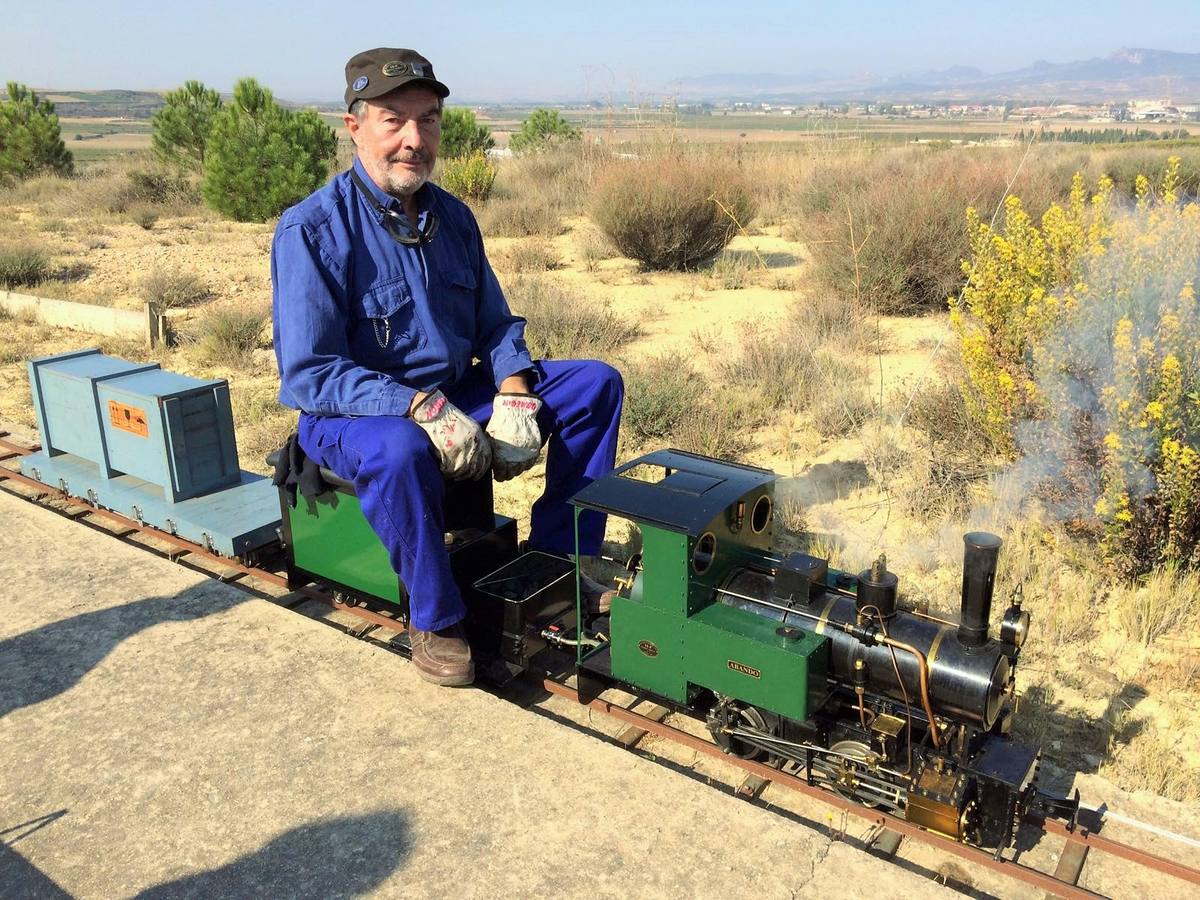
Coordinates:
460	680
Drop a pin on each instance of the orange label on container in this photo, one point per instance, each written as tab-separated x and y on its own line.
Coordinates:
128	418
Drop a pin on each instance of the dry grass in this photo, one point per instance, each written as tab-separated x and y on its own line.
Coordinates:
1166	600
117	186
225	336
731	271
810	361
528	255
263	424
951	457
171	288
1148	762
668	402
594	248
564	324
659	393
533	193
517	217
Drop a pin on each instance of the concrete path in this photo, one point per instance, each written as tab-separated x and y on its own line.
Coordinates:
164	735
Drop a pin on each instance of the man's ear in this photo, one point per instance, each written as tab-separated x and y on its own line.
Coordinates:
352	126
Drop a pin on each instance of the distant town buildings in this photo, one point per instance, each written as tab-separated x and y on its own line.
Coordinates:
1134	111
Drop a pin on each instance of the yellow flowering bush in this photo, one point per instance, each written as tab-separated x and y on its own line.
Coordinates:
1081	343
1020	280
469	177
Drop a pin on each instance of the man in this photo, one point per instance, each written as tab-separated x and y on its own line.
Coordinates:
383	300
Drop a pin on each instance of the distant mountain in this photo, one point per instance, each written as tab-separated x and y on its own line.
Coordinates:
1128	73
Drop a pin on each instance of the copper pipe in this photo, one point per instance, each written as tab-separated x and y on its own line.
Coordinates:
862	712
927	616
923	670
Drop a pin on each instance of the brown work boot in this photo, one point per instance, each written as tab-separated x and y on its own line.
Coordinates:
443	657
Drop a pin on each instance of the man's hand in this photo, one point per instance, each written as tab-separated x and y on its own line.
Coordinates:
515	436
462	446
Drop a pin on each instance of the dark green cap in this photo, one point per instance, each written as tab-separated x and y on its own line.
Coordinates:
374	73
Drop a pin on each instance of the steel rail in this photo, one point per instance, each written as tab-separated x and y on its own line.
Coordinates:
871	816
1018	871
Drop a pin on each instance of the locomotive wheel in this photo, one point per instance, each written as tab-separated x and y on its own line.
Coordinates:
729	714
752	720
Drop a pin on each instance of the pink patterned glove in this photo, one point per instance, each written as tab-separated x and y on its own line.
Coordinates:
462	446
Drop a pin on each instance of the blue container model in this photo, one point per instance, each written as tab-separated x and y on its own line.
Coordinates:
184	440
151	444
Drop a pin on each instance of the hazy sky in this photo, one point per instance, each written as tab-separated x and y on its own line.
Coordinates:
547	50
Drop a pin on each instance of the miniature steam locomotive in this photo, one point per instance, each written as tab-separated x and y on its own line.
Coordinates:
819	671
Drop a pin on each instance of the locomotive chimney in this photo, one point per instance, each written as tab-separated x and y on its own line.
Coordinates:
979	580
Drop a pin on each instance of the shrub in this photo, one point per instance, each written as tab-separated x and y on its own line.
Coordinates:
143	214
158	186
888	228
22	266
671	211
1125	165
566	325
668	402
469	177
225	336
30	139
171	288
260	158
543	130
1081	343
659	393
462	135
953	454
182	126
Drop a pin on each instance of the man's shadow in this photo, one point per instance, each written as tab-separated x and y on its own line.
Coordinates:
45	662
339	857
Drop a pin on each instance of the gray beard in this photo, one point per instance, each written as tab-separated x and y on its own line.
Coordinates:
403	184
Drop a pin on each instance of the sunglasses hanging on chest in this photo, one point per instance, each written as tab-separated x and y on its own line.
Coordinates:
395	224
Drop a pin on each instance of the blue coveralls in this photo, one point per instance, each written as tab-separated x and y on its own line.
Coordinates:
362	322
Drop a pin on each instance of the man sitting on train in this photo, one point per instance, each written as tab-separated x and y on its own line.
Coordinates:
395	342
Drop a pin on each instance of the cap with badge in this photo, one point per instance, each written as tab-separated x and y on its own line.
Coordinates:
374	73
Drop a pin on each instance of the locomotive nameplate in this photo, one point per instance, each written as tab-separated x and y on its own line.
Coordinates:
128	418
743	668
649	648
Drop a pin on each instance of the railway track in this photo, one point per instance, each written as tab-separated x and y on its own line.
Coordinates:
268	583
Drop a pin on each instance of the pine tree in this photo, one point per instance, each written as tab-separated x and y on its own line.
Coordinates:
260	158
181	128
462	135
30	139
543	129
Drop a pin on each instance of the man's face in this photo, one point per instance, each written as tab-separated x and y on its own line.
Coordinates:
397	138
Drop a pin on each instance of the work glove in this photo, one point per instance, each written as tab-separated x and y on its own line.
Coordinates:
513	430
463	448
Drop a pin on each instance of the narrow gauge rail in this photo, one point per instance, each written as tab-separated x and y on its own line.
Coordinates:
1077	842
